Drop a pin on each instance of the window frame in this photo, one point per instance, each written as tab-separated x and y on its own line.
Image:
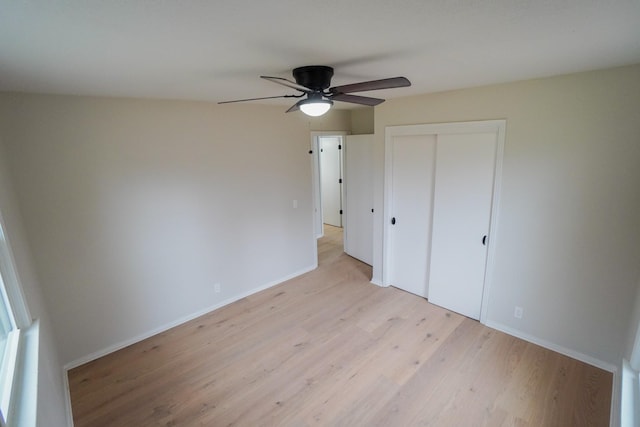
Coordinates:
12	285
20	318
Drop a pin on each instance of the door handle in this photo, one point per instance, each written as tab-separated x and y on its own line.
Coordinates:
484	240
393	221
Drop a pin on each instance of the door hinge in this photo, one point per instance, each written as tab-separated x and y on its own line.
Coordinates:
340	211
340	181
339	147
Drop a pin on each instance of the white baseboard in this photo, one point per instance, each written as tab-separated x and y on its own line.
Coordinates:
118	346
555	347
376	281
615	392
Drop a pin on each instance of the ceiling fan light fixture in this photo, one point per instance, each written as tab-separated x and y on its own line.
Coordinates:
315	107
314	81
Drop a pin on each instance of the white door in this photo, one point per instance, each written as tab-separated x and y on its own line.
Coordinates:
458	166
317	195
331	179
464	181
358	200
413	159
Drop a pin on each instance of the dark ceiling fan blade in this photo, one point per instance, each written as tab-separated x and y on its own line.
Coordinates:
287	83
256	99
294	107
357	99
372	85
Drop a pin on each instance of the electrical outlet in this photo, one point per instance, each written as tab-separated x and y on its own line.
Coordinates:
517	313
216	288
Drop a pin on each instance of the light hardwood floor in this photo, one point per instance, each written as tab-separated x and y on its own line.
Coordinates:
329	348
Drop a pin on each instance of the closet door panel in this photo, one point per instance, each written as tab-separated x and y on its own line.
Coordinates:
411	206
464	182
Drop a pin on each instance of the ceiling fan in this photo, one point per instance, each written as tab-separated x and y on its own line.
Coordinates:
313	82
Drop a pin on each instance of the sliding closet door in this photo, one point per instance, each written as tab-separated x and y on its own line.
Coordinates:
409	218
465	165
440	181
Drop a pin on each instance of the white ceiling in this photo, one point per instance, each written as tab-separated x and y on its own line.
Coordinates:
214	50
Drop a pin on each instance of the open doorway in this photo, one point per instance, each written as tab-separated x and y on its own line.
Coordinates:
343	192
328	168
330	245
331	168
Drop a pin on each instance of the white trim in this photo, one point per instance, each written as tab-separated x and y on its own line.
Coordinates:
552	346
375	281
67	397
9	374
12	284
629	408
389	133
20	360
118	346
315	190
378	282
445	128
616	397
634	359
609	367
344	193
493	222
24	411
496	126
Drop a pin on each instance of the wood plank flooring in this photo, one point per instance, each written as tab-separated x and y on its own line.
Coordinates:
329	348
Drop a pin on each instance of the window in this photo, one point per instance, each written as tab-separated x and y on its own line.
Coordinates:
6	323
14	318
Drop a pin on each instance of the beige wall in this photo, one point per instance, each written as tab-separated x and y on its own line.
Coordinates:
334	120
51	405
568	237
134	209
362	121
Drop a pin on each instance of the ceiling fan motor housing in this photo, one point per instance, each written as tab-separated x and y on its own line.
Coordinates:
315	77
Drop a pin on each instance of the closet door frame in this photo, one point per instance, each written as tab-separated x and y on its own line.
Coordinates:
497	126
